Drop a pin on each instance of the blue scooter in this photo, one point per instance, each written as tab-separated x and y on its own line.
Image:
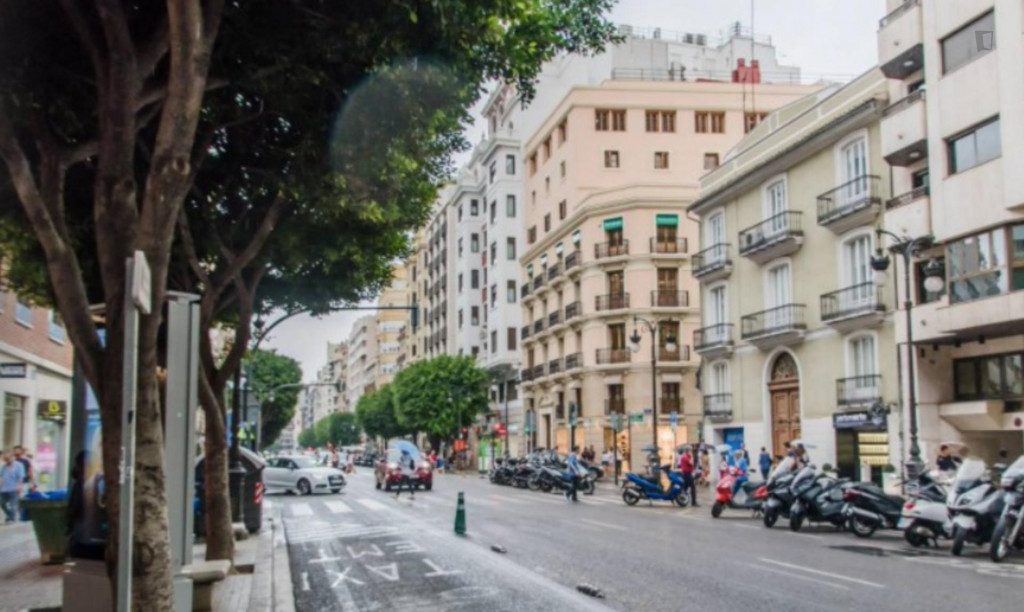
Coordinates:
637	487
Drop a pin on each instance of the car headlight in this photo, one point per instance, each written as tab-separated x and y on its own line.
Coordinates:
392	466
426	465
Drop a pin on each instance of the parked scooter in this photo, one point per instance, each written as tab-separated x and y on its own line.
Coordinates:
868	508
1009	531
636	487
976	505
819	499
925	517
751	495
780	494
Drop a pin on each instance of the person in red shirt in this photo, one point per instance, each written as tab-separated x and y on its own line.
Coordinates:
687	469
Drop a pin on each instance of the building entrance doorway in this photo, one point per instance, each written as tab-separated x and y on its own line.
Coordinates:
784	390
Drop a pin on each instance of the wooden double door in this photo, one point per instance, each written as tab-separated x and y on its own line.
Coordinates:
785	415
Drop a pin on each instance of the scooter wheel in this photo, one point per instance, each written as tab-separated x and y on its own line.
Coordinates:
682	500
913	538
770	517
860	528
630	496
796	521
716	510
587	487
1000	546
545	486
959	538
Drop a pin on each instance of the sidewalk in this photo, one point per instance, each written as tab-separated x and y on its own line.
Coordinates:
262	584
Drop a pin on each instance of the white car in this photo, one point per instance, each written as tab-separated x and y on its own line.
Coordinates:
301	474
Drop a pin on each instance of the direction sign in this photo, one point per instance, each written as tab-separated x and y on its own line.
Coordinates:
636	418
141	281
674	419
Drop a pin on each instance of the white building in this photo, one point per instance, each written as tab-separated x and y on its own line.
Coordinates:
361	371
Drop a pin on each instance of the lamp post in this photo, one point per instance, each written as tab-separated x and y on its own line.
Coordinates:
670	346
908	249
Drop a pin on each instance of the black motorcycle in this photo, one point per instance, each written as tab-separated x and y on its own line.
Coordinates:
1009	530
868	508
780	495
819	499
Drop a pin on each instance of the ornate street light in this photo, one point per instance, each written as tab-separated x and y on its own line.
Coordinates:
670	346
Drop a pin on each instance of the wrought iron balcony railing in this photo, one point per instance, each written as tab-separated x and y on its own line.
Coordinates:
858	390
612	301
679	245
612	355
669	299
573	310
774	320
848	198
773	229
859	299
609	249
573	361
719	334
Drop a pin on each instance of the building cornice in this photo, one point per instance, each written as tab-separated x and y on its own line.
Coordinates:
35	360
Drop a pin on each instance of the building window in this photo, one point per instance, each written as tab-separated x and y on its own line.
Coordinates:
57	333
510	292
547	185
561	169
989	377
474	208
23	312
460	212
563	132
510	165
510	249
547	148
510	338
474	316
618	121
494	211
494	252
719	379
474	243
611	159
494	341
547	222
460	318
561	210
709	122
661	160
969	42
975	147
531	235
475	351
14	419
710	161
533	198
510	206
460	282
494	294
492	170
984	265
661	121
750	121
602	120
474	279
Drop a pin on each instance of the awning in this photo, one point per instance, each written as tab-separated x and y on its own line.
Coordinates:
611	225
665	220
577	236
544	259
558	249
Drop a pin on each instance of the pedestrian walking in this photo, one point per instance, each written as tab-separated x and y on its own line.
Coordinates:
945	460
705	466
746	455
12	477
764	461
407	465
606	459
26	463
573	472
686	466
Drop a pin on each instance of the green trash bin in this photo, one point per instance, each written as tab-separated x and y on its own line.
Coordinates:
49	521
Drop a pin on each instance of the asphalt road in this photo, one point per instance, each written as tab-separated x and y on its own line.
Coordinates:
365	550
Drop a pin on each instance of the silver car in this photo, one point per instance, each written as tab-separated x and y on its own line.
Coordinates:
301	475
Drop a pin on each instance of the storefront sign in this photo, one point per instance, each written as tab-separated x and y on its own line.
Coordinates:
13	370
636	418
861	419
52	410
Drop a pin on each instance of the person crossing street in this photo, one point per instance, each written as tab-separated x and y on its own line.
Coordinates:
573	472
408	467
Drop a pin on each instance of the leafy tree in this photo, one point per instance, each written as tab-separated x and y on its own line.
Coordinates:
440	395
343	428
307	438
375	413
268	370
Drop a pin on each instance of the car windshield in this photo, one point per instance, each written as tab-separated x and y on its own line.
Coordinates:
303	462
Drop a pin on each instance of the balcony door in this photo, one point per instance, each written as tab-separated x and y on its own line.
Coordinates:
778	293
714	233
857	274
616	282
617	336
668	287
716	317
862	368
853	159
774	205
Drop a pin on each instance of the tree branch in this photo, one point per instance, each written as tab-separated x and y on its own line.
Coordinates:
90	39
190	250
235	264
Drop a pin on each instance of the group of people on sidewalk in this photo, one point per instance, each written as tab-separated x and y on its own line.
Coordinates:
16	480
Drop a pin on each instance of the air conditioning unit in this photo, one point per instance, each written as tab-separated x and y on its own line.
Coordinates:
688	39
702	39
626	30
657	33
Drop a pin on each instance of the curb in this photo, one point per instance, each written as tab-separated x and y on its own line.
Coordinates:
283	594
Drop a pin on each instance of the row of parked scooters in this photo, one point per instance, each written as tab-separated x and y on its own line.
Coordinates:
543	470
975	505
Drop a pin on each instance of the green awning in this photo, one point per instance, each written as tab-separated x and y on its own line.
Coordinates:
663	220
558	249
611	225
544	259
577	236
529	269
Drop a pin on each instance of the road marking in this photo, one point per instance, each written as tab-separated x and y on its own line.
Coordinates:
602	524
267	504
511	500
324	558
305	581
340	577
438	571
810	570
798	577
337	507
373	504
301	510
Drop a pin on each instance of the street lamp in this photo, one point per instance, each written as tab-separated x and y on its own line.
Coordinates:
670	346
909	248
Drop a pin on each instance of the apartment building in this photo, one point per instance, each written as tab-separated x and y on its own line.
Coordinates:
954	138
337	376
413	338
434	285
361	373
607	255
390	326
306	402
36	361
796	339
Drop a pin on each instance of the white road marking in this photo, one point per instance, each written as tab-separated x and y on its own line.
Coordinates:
324	558
373	551
305	581
511	500
337	507
810	570
603	525
301	510
405	546
388	572
798	577
373	504
343	577
438	571
267	504
341	533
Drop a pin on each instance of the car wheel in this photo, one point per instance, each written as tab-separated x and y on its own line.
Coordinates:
428	486
303	487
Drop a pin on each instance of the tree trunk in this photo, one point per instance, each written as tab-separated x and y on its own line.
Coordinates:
220	539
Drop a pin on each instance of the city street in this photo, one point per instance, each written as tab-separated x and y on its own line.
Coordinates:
365	550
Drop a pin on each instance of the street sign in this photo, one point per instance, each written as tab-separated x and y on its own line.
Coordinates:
648	410
141	282
13	370
636	418
674	419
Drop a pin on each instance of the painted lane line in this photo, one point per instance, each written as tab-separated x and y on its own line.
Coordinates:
510	500
301	510
267	504
372	504
362	533
810	570
337	507
305	581
603	525
798	577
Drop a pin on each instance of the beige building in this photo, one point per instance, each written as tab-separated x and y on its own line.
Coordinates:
797	340
390	325
955	139
608	176
361	373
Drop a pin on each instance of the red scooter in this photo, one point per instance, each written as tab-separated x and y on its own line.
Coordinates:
751	496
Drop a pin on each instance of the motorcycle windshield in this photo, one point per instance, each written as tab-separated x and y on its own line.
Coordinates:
1016	468
784	467
969	472
804	475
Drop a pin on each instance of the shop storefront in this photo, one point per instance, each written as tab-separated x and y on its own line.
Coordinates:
34	415
862	445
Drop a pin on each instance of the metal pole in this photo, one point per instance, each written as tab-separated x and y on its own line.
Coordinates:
654	388
915	451
245	397
615	454
899	386
126	475
236	473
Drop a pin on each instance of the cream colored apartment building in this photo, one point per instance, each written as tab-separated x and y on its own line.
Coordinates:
797	339
361	372
390	326
609	174
955	139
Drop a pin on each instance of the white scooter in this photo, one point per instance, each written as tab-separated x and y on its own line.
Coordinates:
925	516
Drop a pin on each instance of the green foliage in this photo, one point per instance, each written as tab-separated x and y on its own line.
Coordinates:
375	413
339	428
439	395
268	370
307	438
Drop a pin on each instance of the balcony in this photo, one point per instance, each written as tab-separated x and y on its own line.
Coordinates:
669	247
555	271
909	214
668	405
526	375
682	353
604	250
572	310
670	299
615	405
858	390
850	205
714	340
524	290
713	263
612	301
554	366
538	326
775	326
524	332
853	308
607	356
904	131
538	282
776	236
573	361
718	407
554	319
900	52
537	372
573	261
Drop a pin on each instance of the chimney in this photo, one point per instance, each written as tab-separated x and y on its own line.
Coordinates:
746	74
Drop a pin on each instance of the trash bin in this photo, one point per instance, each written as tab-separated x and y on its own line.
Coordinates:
252	489
48	513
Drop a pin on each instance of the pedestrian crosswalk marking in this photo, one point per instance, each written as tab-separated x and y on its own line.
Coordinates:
373	504
509	499
301	510
337	507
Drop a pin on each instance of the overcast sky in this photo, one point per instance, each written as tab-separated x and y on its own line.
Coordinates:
833	37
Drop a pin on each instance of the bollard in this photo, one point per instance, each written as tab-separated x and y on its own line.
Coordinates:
460	516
